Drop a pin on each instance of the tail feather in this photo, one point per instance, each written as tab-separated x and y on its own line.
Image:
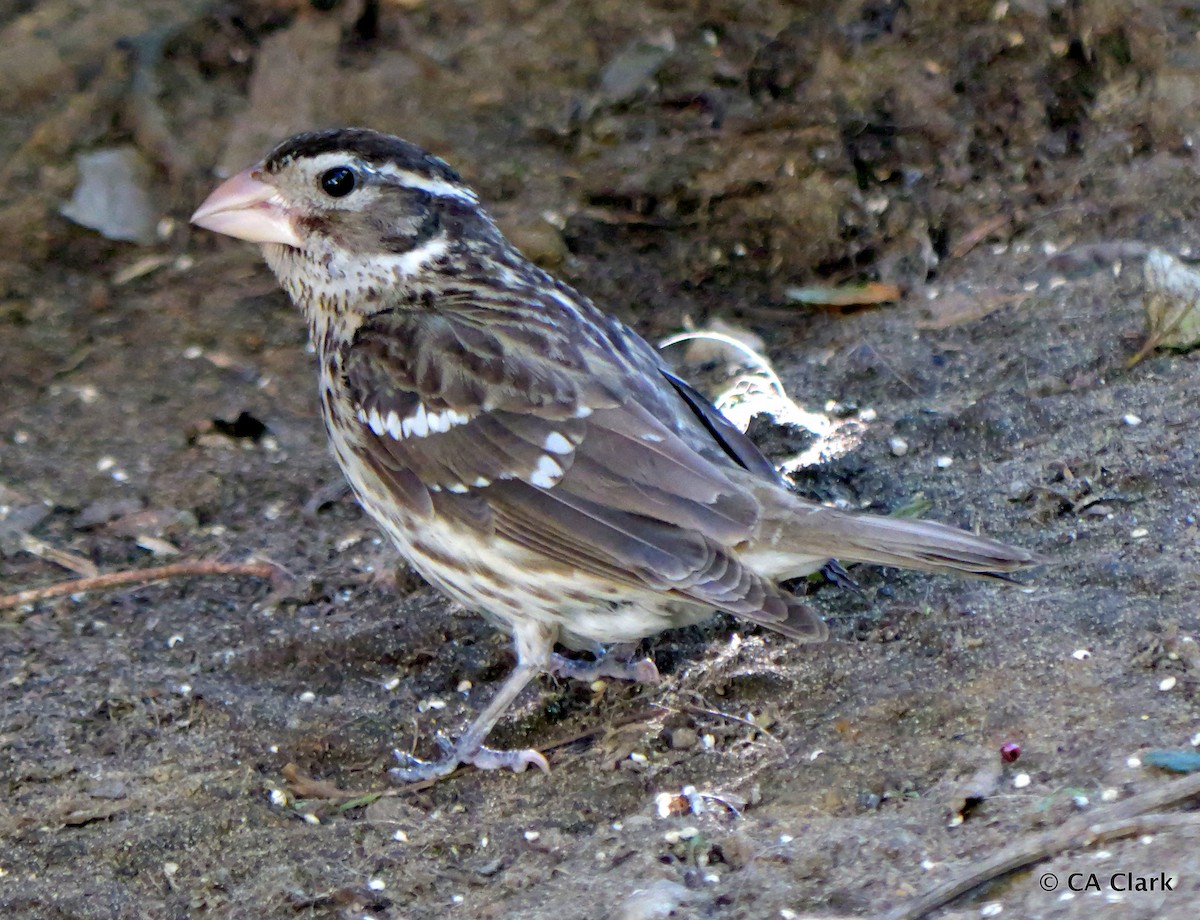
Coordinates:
797	538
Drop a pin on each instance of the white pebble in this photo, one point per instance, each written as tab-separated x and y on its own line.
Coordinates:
174	640
991	909
531	836
944	463
1139	532
663	802
1133	762
391	683
104	464
464	687
310	818
868	415
308	697
1081	654
785	839
1196	740
431	703
192	352
400	836
898	446
1167	683
637	757
278	797
170	868
376	884
1131	420
20	436
1021	780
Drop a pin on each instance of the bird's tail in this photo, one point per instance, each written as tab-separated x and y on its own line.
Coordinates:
797	537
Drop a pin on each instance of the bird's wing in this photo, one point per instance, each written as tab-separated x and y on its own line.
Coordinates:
551	449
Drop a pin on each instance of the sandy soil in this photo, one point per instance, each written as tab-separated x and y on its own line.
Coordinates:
219	746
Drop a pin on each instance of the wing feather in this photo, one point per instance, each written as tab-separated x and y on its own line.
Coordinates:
539	450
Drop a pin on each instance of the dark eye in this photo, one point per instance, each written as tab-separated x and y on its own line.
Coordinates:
338	182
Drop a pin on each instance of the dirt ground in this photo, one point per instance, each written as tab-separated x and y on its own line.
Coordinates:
218	746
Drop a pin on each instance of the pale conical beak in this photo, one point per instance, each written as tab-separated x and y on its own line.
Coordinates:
248	209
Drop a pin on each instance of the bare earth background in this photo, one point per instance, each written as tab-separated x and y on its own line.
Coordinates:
1005	163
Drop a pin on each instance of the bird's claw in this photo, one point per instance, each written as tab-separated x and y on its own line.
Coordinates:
413	770
641	672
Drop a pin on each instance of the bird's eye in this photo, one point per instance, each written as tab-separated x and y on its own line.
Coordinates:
338	182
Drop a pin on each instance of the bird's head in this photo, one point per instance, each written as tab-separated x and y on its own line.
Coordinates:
351	215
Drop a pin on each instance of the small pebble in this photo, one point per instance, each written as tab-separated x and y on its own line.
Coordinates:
1109	795
1133	762
531	836
898	446
400	837
1081	654
1167	683
683	738
944	463
1131	420
376	884
992	909
1021	780
308	697
310	818
1139	533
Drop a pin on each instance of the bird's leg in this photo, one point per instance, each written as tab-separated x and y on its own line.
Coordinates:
534	642
615	662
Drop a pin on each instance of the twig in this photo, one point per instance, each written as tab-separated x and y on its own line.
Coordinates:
1124	819
266	570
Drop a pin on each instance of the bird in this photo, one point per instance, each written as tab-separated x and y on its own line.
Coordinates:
531	456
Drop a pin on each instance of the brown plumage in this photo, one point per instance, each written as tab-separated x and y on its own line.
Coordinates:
531	456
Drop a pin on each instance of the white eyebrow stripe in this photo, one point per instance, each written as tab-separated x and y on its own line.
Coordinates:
438	187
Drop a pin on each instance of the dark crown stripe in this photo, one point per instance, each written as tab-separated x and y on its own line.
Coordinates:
371	147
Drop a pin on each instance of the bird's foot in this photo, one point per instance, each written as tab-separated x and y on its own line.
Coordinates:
413	770
641	672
